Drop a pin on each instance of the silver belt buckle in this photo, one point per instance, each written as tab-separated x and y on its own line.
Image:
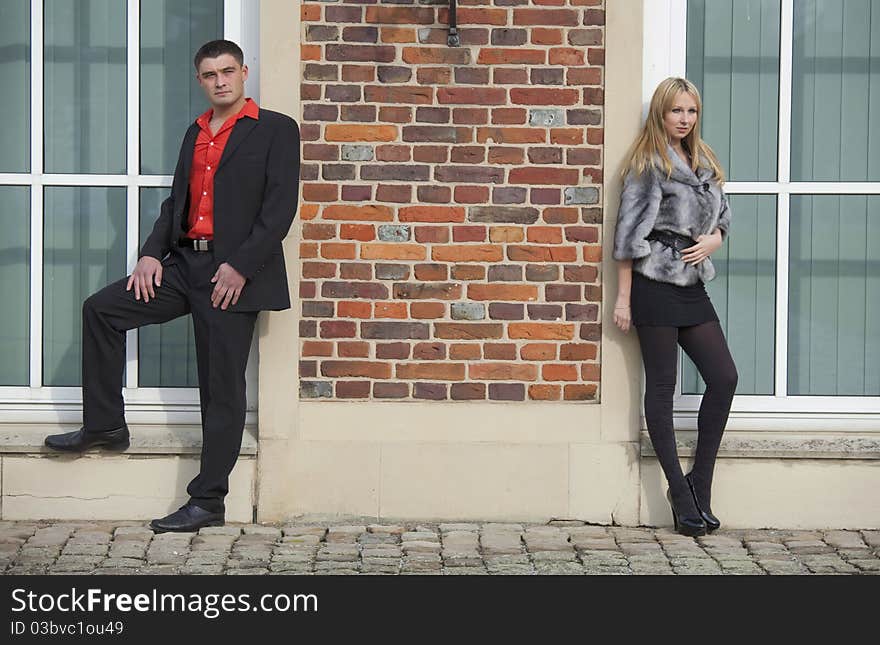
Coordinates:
200	245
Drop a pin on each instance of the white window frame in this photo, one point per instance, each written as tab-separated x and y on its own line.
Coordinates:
664	55
36	403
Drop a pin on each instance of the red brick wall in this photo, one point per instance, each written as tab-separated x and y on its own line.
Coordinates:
451	200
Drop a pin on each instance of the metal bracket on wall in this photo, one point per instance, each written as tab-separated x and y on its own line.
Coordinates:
452	39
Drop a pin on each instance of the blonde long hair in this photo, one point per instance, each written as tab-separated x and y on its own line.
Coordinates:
652	140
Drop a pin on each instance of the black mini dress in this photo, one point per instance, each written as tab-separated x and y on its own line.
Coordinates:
662	304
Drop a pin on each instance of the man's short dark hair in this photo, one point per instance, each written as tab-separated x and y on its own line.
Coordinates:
216	48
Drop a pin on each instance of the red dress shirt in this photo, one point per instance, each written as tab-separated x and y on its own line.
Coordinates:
206	156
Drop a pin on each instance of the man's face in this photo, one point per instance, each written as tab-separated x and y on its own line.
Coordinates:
222	79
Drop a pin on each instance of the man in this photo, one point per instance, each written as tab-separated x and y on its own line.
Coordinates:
215	251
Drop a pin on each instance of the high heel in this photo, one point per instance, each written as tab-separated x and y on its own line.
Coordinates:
712	522
690	526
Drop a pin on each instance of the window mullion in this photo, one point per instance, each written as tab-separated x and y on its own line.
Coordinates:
133	170
36	183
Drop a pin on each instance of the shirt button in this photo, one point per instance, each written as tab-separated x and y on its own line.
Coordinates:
212	143
209	167
201	218
204	192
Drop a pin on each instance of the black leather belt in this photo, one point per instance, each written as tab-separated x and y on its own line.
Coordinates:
196	245
672	240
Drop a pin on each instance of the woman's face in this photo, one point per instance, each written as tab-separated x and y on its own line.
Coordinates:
680	118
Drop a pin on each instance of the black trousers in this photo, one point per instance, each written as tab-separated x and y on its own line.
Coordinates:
223	340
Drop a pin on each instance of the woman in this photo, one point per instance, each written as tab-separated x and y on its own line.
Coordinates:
673	216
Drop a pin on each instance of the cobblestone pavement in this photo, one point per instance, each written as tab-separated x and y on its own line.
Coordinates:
309	548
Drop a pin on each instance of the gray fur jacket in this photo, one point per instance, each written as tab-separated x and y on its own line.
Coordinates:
686	203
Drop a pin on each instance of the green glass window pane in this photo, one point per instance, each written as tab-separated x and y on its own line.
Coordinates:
15	79
733	59
85	86
744	292
83	250
835	123
171	99
834	295
15	251
167	352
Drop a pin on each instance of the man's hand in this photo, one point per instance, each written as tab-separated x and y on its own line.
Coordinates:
706	245
147	272
229	284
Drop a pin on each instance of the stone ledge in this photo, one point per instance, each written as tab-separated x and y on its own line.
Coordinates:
779	445
145	439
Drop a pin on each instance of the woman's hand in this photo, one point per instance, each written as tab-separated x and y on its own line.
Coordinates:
706	245
622	314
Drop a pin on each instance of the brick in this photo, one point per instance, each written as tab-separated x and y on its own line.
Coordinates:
503	214
538	352
338	329
320	152
432	234
472	76
393	74
469	174
468	37
392	271
471	194
591	371
431	154
581	195
583	117
468	154
395	114
390	310
594	96
511	56
334	132
360	53
584	76
542	272
348	309
433	75
583	156
394	233
379	251
543	96
541	76
468	272
567	56
506	155
315	72
436	55
310	52
509	116
509	37
309	172
394	193
472	95
392	350
395	172
309	131
390	390
595	136
344	14
562	293
348	349
510	76
582	312
592	293
579	392
584	37
357	153
318	270
342	93
505	234
427	310
546	36
467	311
369	290
307	289
308	250
431	214
502	292
464	351
543	176
499	351
582	234
567	137
358	73
542	392
310	13
394	94
503	371
468	253
545	155
338	251
311	231
432	115
577	352
507	392
505	311
510	195
541	331
429	391
317	348
431	272
429	351
561	215
594	17
391	330
591	331
549	17
467	391
308	328
545	312
400	15
356	271
370	213
433	371
311	309
580	273
312	112
511	135
475	16
519	253
556	372
434	194
470	116
505	273
436	134
315	390
468	331
397	35
427	290
352	389
337	172
360	34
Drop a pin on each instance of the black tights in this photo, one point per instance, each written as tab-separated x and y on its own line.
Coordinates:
707	348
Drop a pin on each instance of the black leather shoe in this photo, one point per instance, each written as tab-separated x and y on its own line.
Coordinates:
690	526
187	519
80	440
712	522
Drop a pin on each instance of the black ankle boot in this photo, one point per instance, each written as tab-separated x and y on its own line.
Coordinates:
712	522
690	526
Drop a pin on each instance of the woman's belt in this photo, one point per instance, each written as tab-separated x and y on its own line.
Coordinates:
674	241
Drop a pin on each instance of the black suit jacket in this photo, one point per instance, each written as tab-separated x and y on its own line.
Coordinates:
256	190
